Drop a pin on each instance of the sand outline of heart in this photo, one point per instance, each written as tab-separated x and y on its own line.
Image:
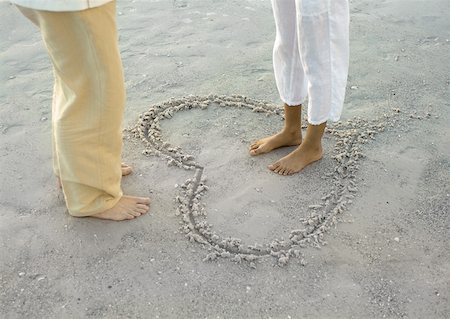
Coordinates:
347	153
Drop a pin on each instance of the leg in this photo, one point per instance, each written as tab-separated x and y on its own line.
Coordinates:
54	153
322	28
323	32
290	79
125	169
88	111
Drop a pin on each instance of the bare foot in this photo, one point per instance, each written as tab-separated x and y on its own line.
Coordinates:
297	160
126	170
278	140
128	207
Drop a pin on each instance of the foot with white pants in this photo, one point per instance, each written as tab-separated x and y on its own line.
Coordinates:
310	59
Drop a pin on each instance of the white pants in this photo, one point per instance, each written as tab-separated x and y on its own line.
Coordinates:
310	55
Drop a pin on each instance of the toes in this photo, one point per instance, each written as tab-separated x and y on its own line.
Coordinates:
126	169
142	211
143	200
257	143
282	170
135	213
143	207
129	216
254	145
255	151
274	166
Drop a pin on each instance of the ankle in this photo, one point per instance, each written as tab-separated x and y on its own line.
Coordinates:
292	131
312	145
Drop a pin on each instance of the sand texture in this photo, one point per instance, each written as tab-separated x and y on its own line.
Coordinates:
363	233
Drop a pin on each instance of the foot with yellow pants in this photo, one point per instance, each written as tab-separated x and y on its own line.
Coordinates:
87	110
128	207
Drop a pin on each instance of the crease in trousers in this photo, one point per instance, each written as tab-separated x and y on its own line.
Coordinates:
88	104
311	55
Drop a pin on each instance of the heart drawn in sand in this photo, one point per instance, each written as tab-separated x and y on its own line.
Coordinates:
310	232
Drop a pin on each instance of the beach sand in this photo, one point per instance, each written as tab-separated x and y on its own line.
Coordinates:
363	233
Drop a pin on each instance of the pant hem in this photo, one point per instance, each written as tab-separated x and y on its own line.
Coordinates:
293	103
319	122
108	204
